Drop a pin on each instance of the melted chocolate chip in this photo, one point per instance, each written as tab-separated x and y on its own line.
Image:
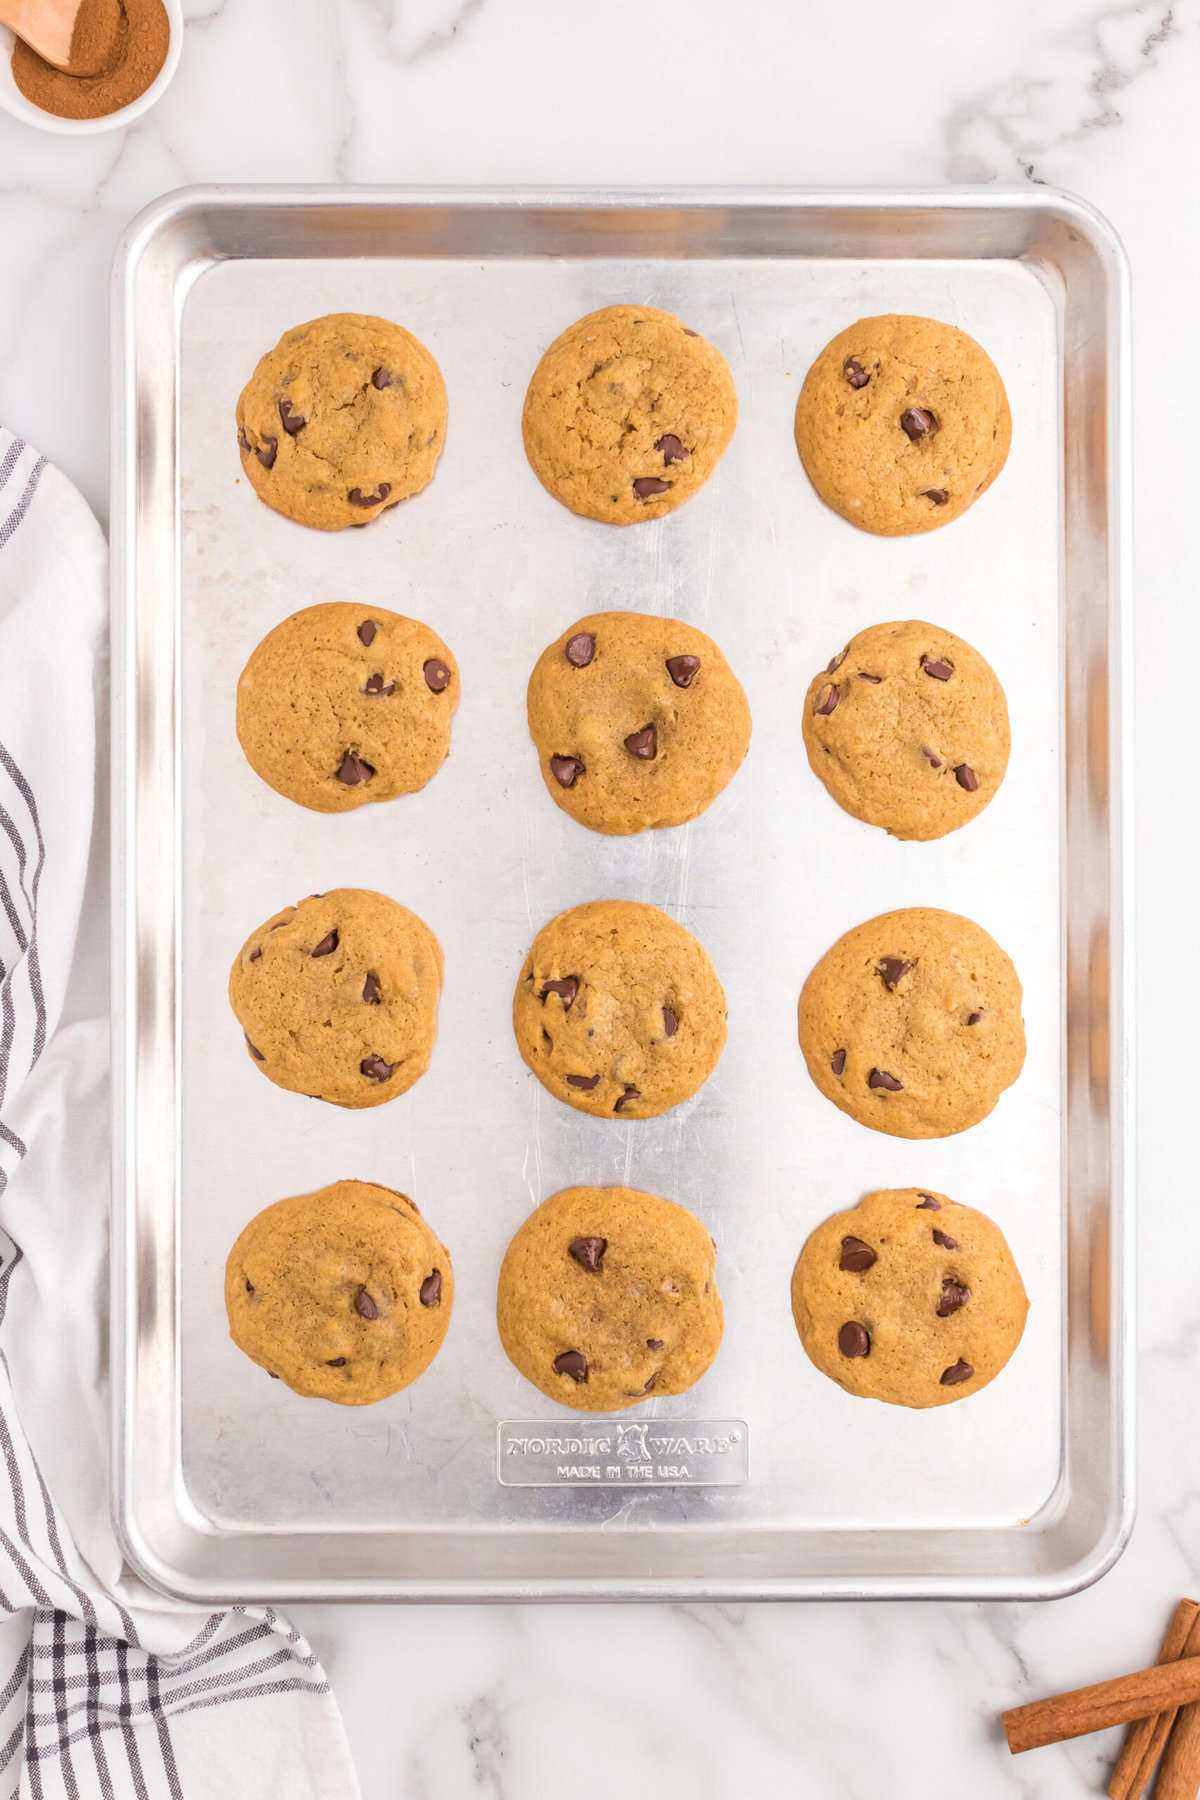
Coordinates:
651	1381
371	991
974	1018
953	1295
588	1252
267	451
939	496
670	1021
364	1305
966	777
874	679
688	332
643	743
683	670
327	945
655	1344
580	649
354	770
566	989
566	770
572	1363
927	1203
381	378
249	1284
647	486
938	667
375	1069
916	423
835	662
945	1241
585	1082
893	971
437	675
631	1093
879	1078
356	497
243	441
854	372
837	1061
959	1371
856	1256
336	1362
854	1339
933	760
826	700
671	448
430	1293
256	1054
290	419
375	685
366	631
254	955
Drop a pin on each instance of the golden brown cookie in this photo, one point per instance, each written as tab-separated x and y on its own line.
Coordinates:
344	1294
627	414
639	721
345	417
909	1298
618	1010
908	729
911	1023
607	1295
902	423
343	704
338	997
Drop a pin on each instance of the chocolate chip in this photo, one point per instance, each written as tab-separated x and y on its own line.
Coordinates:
367	630
437	675
946	1242
267	451
356	497
375	686
273	1375
934	761
927	1203
953	1295
566	770
655	1344
381	378
643	743
243	441
327	945
256	1054
916	423
588	1252
580	649
336	1362
938	667
879	1078
566	989
974	1018
670	1020
959	1371
371	991
672	450
431	1289
854	372
254	955
893	970
853	1339
290	419
826	700
939	496
651	1381
631	1093
835	662
856	1256
571	1363
586	1082
646	486
364	1304
375	1069
683	670
688	332
354	770
966	777
837	1061
875	679
249	1284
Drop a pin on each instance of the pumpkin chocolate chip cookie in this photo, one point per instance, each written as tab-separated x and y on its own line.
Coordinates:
338	997
618	1010
911	1023
607	1296
909	1298
345	417
344	1294
343	704
627	414
639	721
902	423
908	729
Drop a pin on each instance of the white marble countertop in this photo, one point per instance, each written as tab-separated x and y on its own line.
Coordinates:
816	1700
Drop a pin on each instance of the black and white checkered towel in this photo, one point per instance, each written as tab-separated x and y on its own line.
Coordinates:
106	1689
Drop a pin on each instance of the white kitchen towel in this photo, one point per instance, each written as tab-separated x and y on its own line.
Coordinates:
106	1688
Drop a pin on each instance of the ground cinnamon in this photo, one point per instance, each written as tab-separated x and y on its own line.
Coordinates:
137	51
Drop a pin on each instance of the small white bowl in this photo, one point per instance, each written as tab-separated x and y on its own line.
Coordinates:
13	100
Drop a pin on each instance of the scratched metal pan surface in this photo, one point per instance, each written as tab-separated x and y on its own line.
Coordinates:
765	1480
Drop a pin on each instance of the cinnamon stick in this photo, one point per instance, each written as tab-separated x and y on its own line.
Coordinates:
1136	1696
1147	1737
1179	1776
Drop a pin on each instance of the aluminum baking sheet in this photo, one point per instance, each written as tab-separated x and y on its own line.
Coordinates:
228	1483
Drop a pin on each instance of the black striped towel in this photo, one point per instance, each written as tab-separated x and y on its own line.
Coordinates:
106	1689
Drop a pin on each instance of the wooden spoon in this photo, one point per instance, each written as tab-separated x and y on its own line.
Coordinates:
48	27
